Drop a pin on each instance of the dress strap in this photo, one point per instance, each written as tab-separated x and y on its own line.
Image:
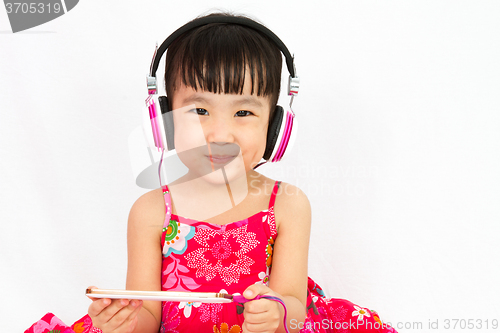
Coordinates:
273	195
168	205
268	220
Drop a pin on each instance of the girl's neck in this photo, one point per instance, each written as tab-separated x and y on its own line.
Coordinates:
202	198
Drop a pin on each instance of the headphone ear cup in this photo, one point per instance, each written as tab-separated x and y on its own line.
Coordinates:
152	123
282	135
273	132
168	121
287	139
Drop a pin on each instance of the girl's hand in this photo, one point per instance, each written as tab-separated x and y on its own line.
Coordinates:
117	315
261	315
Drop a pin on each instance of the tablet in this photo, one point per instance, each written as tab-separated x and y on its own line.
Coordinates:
168	296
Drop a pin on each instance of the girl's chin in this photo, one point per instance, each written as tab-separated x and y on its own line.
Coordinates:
224	175
215	172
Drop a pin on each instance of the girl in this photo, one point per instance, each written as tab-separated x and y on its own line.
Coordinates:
224	226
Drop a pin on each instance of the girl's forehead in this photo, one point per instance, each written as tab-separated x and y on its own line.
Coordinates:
189	95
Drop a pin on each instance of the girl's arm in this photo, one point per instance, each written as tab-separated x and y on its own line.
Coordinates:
144	255
288	279
289	266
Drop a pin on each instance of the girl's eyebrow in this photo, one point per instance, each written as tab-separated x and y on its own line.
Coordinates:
239	101
248	100
195	98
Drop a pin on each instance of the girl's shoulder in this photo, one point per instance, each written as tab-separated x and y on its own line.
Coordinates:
151	201
148	209
291	200
287	195
291	204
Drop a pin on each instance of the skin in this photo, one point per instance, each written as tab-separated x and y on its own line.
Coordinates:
224	119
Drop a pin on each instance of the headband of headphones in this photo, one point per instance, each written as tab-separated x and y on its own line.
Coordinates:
293	80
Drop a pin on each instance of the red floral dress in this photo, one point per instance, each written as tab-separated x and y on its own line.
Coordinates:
204	257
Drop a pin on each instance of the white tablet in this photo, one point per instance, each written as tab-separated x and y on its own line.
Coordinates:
169	296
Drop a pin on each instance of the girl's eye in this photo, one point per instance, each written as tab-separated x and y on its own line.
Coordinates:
243	113
200	111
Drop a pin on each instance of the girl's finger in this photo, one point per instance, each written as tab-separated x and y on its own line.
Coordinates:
263	327
116	323
109	312
256	289
98	305
257	306
129	323
256	318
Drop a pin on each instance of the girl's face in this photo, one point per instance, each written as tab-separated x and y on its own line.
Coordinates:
220	130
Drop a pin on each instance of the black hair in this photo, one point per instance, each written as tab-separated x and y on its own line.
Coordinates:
215	57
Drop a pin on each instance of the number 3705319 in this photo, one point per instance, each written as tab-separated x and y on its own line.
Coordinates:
32	8
470	324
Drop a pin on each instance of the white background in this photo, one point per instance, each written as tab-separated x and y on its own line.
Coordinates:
398	151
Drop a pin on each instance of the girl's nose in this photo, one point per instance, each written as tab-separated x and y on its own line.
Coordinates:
219	130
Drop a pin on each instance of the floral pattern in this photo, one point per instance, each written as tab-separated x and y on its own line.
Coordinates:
170	318
342	315
210	311
376	317
269	252
264	278
48	322
51	324
224	328
187	307
269	219
176	237
222	254
360	312
176	278
83	325
338	315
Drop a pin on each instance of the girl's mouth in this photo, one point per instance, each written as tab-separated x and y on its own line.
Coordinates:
220	159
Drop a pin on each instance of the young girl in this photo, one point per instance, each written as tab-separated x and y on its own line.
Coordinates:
223	81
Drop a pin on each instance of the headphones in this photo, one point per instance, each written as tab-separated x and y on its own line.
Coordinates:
159	119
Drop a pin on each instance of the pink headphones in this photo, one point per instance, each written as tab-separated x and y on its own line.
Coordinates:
281	130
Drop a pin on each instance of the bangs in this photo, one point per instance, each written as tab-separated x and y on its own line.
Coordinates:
217	57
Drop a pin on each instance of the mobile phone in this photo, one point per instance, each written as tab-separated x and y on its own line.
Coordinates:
168	296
